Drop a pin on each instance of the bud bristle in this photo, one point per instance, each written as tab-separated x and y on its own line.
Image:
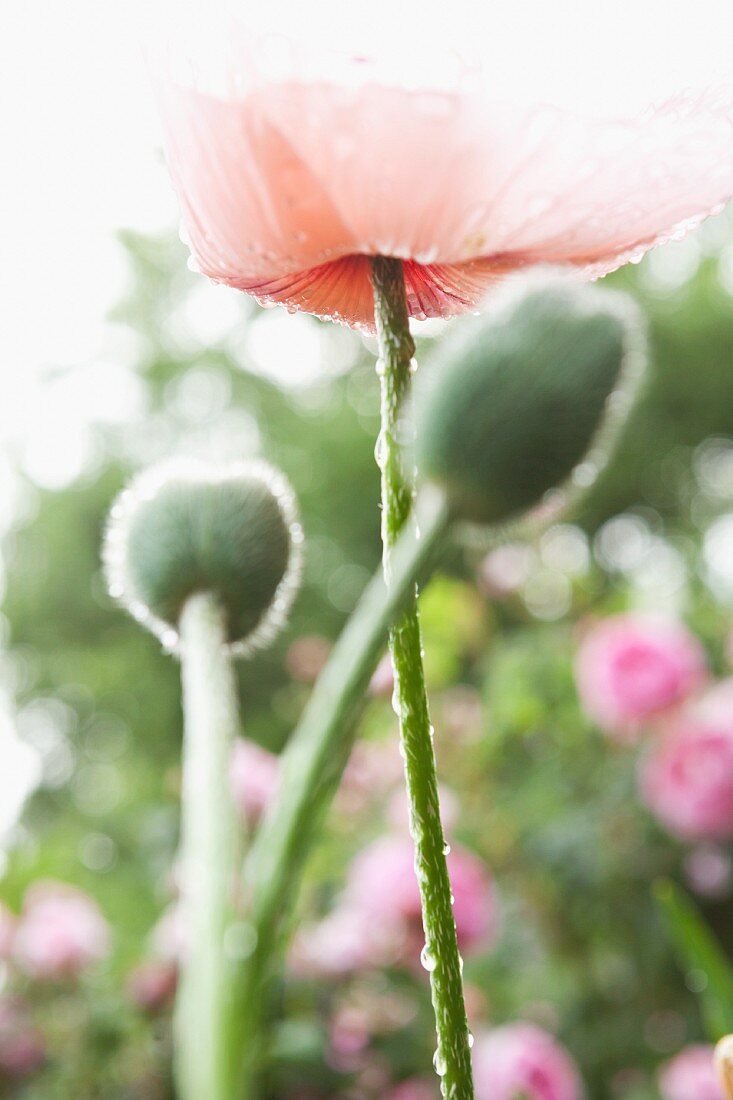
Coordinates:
186	526
525	393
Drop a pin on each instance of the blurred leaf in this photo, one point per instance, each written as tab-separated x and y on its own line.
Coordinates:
698	949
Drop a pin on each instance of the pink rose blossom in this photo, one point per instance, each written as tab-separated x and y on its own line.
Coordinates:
717	702
61	932
22	1049
630	669
521	1059
374	769
289	184
151	984
708	871
254	776
381	884
344	941
686	779
349	1038
691	1075
377	922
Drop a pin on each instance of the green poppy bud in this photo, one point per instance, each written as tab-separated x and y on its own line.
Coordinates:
527	396
187	527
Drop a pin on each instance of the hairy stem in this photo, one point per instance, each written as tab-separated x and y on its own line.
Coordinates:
440	957
313	764
206	1065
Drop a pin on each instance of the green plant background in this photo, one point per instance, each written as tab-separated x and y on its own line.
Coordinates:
543	798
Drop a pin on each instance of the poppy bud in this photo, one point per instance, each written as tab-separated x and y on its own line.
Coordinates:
526	396
188	527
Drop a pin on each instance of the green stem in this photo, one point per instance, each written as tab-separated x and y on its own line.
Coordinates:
205	1063
314	761
440	957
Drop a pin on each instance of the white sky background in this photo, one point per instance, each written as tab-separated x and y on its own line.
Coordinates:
81	158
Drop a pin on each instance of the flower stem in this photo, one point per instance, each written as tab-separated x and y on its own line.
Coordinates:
441	957
205	1062
313	763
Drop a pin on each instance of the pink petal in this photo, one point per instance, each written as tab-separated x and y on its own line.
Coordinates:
287	188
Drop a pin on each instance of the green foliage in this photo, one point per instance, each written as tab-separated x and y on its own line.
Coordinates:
541	797
701	955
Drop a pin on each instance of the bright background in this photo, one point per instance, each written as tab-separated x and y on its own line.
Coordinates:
89	707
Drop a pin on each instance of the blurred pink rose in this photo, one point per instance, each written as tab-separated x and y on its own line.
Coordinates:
61	932
347	939
151	984
381	883
373	770
521	1059
708	871
22	1048
686	779
378	922
629	669
717	702
254	776
691	1075
349	1038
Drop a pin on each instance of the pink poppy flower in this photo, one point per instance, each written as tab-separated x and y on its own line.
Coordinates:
691	1075
523	1060
288	185
686	779
61	932
254	776
630	668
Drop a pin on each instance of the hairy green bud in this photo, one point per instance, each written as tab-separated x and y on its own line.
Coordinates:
186	527
528	396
